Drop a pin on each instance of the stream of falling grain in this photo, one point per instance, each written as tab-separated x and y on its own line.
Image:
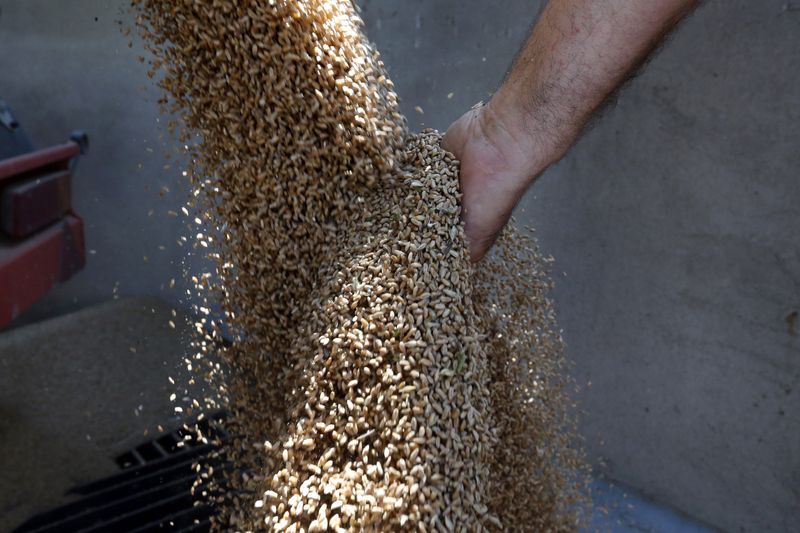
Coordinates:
377	380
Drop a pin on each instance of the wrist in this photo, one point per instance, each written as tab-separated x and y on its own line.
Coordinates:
536	131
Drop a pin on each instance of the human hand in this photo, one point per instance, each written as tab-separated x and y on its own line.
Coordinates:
499	160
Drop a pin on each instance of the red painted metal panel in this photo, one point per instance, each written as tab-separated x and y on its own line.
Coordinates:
29	268
58	156
29	205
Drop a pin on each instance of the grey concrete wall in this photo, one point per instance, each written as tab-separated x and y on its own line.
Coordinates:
676	224
674	221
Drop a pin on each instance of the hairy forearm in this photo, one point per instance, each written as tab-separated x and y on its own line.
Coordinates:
579	53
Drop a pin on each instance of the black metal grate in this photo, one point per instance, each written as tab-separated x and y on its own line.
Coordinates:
151	493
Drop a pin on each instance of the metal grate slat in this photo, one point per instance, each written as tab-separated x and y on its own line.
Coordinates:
153	496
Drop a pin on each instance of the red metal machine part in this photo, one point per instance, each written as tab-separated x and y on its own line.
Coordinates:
41	238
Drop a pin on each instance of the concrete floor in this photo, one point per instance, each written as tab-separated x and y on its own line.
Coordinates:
674	221
77	390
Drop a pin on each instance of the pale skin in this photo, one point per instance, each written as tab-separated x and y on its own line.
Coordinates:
578	54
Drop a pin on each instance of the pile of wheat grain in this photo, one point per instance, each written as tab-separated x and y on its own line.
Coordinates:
377	379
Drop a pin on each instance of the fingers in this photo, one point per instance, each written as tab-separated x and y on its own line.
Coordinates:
487	194
479	247
488	202
496	169
482	232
